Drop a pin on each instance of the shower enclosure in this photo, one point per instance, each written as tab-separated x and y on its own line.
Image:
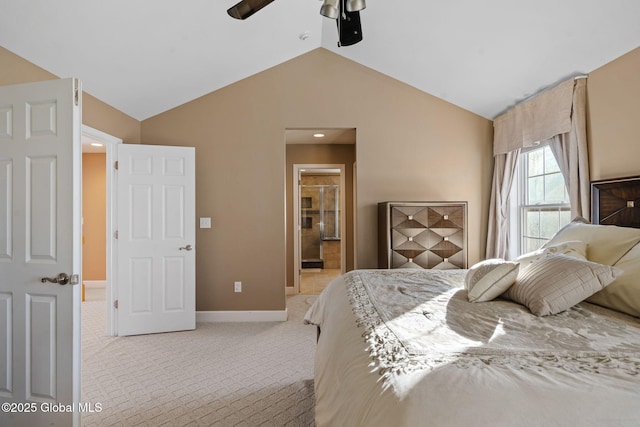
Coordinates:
320	223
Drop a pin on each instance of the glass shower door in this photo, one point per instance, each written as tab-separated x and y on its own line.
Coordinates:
311	226
320	216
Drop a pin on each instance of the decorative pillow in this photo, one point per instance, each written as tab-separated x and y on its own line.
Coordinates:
488	279
572	248
558	282
624	293
606	243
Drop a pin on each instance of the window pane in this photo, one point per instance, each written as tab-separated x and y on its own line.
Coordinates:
535	163
543	200
549	223
535	190
550	163
554	188
531	245
532	226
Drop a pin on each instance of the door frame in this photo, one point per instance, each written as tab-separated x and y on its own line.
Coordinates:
297	247
109	142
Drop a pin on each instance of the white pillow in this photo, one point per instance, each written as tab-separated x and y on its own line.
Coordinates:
573	248
624	293
607	243
558	282
488	279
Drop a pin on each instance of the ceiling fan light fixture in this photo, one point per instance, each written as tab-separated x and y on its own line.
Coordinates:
356	5
330	9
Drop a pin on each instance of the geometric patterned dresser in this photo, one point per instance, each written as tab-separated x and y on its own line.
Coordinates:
422	235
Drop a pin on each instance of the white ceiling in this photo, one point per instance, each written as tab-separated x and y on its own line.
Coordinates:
144	57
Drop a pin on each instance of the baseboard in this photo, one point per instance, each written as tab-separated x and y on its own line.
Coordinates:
95	283
242	316
290	290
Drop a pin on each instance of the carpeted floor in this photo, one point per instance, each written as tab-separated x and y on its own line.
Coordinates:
221	374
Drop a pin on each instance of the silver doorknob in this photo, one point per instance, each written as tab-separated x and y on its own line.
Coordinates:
186	248
62	279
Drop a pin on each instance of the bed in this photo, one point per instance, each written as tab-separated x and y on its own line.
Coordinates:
550	339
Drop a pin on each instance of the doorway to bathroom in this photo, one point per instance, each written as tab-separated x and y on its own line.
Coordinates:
320	199
320	218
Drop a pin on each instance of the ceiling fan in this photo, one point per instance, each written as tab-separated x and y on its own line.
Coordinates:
345	12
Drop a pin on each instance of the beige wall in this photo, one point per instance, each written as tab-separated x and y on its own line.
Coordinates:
95	113
105	118
94	216
613	92
410	146
320	154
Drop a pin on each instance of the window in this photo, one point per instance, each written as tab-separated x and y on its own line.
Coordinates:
542	200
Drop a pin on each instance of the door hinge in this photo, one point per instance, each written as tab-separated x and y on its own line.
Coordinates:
116	165
115	304
115	234
76	95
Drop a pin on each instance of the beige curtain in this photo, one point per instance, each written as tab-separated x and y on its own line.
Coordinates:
504	169
557	115
538	119
570	150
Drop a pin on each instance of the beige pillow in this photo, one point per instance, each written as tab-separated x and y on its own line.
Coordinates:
571	248
558	282
624	293
487	279
606	243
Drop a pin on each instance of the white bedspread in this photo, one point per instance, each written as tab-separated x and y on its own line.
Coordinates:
411	350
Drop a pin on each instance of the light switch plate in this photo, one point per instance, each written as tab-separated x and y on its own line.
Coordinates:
205	222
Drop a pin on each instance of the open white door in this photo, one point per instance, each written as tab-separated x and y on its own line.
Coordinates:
155	220
40	237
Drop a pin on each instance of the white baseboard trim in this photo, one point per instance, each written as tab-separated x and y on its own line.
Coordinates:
290	290
95	283
241	316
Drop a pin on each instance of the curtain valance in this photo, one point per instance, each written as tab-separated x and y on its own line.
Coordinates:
542	117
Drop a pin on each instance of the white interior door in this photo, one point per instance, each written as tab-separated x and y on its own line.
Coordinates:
155	239
40	237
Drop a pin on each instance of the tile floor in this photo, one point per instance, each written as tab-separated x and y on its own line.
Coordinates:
314	280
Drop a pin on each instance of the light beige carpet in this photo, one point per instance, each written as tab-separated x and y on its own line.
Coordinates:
221	374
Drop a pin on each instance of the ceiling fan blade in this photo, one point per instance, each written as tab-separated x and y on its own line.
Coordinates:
246	8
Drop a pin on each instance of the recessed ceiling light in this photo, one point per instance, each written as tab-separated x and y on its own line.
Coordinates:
95	144
318	135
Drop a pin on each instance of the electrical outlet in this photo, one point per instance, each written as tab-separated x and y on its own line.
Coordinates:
237	286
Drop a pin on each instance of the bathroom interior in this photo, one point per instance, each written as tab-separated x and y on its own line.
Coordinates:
320	234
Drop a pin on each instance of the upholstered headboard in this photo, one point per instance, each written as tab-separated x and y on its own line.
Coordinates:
616	202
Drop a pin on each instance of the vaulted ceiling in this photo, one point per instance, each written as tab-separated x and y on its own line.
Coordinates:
144	57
